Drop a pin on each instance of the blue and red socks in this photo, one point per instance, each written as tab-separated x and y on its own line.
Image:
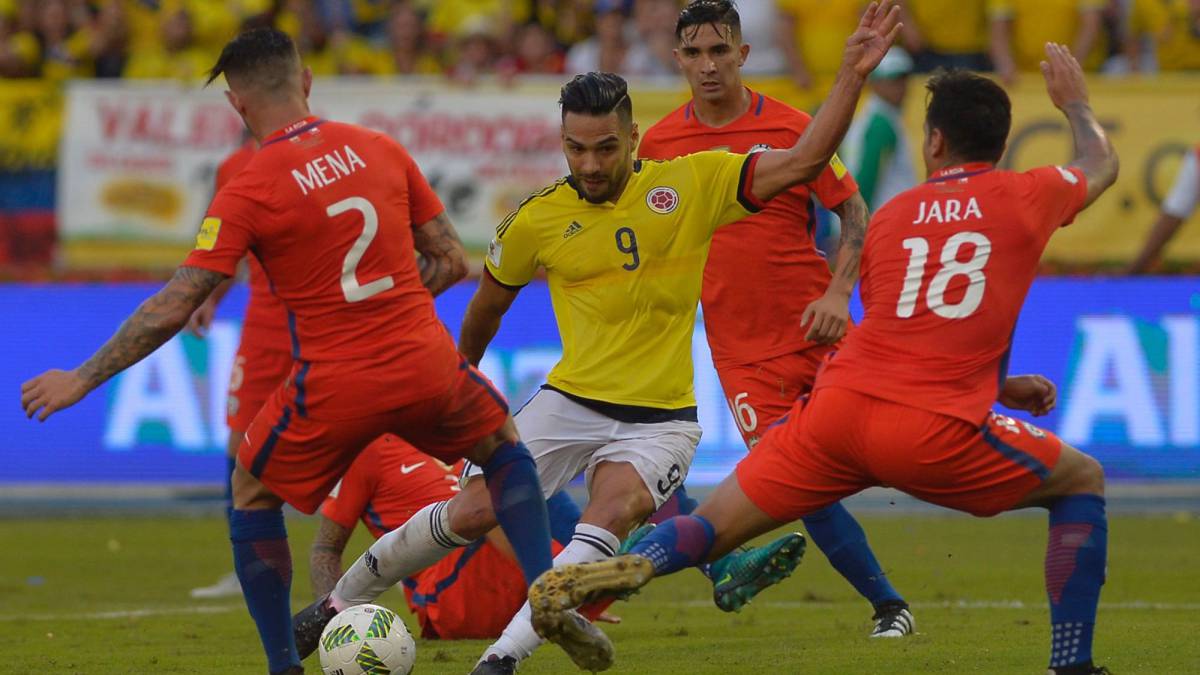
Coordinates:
842	540
520	506
677	543
264	566
1076	556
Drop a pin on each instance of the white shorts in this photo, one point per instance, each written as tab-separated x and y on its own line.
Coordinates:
566	438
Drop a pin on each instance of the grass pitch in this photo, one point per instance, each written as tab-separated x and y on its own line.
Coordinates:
110	595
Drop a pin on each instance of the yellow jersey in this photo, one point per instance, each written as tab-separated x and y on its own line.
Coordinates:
952	26
1172	24
625	277
1036	22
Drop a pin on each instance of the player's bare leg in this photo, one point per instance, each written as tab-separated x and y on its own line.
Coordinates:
618	501
227	585
509	496
726	520
263	563
1076	555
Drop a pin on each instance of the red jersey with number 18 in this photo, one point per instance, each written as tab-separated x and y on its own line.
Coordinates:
328	209
945	270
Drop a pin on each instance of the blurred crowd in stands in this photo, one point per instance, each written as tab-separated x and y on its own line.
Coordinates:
467	39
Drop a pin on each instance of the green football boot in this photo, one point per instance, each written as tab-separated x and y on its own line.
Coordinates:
741	575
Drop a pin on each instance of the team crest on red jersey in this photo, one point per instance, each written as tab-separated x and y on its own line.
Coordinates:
662	199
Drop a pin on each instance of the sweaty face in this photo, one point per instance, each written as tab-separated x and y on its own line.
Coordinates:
599	150
711	58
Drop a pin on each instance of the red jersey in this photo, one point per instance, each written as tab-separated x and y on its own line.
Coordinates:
945	270
765	269
328	209
388	483
266	317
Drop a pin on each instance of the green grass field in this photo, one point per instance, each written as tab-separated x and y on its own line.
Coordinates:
109	595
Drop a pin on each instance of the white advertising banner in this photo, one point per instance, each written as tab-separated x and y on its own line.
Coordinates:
137	161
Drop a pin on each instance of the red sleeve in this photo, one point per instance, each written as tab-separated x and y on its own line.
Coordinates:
835	184
226	233
423	202
1054	195
346	503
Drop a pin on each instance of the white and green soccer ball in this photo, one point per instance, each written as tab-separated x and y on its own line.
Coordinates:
367	640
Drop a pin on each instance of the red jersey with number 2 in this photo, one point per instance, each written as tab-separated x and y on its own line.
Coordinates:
945	270
328	209
763	270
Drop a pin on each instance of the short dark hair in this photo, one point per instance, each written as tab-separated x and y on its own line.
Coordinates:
711	12
972	112
597	94
266	56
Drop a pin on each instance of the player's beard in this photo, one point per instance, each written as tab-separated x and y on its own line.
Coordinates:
607	189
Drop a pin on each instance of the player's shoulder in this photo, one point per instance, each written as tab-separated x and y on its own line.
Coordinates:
669	123
533	210
777	111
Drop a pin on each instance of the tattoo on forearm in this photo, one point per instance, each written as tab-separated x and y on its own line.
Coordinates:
325	570
444	261
326	557
1086	132
853	214
159	318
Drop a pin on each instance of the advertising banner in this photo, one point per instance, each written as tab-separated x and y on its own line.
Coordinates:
138	161
1125	355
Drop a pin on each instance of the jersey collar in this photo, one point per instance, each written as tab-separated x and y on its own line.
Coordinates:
292	130
757	101
960	171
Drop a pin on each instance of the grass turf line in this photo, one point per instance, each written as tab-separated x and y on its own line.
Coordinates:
964	576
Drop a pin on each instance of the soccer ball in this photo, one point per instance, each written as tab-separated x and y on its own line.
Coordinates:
367	640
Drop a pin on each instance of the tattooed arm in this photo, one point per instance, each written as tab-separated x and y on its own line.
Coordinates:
828	316
157	320
444	259
325	559
1093	153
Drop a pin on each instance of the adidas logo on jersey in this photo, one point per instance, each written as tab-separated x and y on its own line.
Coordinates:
573	229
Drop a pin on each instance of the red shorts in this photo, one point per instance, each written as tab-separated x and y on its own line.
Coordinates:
300	456
472	594
759	394
839	442
258	370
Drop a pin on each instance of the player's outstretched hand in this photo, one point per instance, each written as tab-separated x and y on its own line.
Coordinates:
1032	393
1064	77
52	391
201	319
826	318
876	32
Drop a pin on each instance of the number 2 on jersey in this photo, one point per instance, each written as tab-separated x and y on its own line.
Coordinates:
627	243
918	248
353	291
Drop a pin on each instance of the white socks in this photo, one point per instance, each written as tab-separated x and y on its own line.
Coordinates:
425	539
589	544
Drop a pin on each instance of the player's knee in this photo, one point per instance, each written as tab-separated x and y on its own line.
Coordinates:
1090	476
1086	476
249	493
471	514
620	515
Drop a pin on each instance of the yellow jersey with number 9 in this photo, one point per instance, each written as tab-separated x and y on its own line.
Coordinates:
625	277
